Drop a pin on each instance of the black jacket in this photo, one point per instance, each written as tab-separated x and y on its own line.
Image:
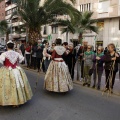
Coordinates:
107	58
39	52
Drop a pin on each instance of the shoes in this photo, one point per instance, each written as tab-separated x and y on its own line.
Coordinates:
111	91
106	89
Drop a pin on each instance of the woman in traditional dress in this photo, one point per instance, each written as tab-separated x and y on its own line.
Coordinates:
58	78
14	86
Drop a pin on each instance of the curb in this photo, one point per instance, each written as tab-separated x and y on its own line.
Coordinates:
80	83
75	82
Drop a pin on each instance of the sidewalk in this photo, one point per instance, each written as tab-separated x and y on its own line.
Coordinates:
116	86
116	89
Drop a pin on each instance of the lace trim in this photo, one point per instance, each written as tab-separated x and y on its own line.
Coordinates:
12	56
60	50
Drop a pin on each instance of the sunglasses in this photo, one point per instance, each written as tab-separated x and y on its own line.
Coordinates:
88	48
99	50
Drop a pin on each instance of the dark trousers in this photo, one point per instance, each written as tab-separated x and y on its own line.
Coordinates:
46	64
39	61
33	62
109	83
97	75
23	53
28	60
71	69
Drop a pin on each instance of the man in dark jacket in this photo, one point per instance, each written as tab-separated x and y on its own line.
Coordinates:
71	59
22	48
33	56
39	54
81	51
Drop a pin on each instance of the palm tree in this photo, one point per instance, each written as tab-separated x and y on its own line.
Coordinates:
83	22
34	16
86	23
5	29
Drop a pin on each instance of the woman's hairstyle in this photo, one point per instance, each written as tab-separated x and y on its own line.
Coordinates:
47	43
101	48
89	46
10	45
65	43
53	44
58	41
112	45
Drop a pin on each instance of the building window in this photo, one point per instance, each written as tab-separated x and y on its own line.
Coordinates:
85	7
54	30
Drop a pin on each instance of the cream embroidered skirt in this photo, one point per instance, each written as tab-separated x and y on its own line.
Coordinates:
14	87
58	78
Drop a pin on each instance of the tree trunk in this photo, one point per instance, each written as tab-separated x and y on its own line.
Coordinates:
7	37
67	36
34	35
80	38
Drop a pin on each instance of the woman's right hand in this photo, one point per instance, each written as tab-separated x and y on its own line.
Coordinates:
97	58
114	58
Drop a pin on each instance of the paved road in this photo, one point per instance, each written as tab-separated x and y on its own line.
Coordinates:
79	104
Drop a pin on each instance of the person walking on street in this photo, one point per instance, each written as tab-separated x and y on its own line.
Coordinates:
98	68
15	89
77	65
28	54
88	64
33	59
22	48
57	78
39	54
65	57
52	48
71	59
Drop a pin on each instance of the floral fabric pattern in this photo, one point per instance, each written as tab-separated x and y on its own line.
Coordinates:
58	78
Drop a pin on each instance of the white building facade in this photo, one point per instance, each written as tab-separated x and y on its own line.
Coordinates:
107	12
